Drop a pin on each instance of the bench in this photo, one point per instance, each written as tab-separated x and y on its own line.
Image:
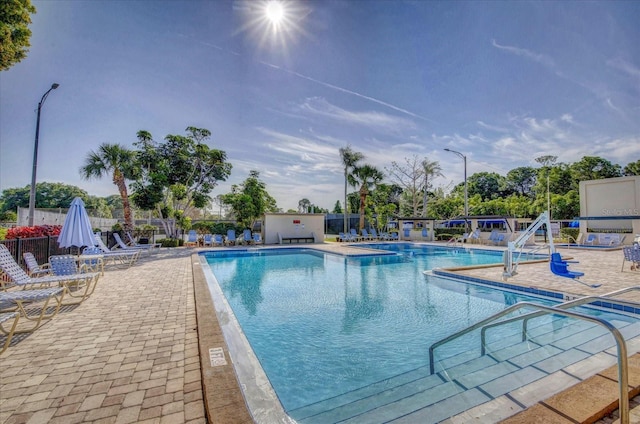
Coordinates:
297	238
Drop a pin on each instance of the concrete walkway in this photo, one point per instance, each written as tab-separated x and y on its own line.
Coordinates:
131	352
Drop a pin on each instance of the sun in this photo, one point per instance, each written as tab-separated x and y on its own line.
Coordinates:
274	13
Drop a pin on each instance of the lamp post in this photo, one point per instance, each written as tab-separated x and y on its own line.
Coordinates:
466	199
32	193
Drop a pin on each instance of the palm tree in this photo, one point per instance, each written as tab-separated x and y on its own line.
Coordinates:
366	176
349	159
431	170
118	161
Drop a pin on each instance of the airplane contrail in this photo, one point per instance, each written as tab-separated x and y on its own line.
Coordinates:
325	84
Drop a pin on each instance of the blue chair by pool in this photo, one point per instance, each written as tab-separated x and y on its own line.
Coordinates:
366	235
247	237
355	236
591	239
231	238
257	238
218	240
207	240
425	234
561	268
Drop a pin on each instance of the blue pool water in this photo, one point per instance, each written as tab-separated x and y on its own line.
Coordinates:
322	324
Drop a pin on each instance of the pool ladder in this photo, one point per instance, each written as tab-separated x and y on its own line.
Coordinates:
485	324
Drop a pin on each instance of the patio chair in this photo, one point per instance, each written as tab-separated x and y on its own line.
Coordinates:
591	239
474	237
247	237
72	266
375	234
207	240
218	240
122	245
23	302
34	269
231	238
355	236
345	237
133	243
561	268
192	239
394	236
10	267
257	238
425	234
6	316
119	257
631	254
366	235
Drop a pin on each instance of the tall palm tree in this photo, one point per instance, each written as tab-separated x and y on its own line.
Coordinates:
366	176
117	161
431	170
350	159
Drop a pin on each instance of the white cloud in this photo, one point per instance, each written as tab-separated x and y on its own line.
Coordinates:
528	54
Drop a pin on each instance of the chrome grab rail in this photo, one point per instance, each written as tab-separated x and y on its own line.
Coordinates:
570	304
623	405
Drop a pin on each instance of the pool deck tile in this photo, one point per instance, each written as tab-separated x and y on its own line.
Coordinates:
133	351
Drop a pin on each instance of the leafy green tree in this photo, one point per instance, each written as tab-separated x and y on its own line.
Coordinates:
366	176
176	176
249	200
521	180
379	206
488	185
303	205
350	159
15	17
337	208
431	170
594	168
632	168
118	162
48	196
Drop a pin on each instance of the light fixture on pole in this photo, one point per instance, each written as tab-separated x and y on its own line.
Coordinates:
32	193
466	198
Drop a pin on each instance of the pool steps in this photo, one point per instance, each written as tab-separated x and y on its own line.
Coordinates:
510	377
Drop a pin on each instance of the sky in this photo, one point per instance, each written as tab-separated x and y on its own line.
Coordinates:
500	82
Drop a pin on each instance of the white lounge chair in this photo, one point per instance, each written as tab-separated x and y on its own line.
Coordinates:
33	267
133	243
22	301
119	257
122	245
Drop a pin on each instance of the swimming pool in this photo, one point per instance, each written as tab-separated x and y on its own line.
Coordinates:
322	325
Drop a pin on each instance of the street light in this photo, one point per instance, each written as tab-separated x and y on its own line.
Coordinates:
32	193
466	200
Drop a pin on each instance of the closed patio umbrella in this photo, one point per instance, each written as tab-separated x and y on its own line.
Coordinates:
76	230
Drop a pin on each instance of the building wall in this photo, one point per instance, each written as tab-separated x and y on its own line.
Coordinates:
610	197
292	224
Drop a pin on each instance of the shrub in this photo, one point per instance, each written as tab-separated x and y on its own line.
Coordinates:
169	242
33	232
3	233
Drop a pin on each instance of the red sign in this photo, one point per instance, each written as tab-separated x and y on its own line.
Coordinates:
296	221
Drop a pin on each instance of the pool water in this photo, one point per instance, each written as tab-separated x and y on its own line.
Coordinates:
322	324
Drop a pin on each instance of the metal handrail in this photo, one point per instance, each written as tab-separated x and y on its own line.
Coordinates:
620	342
570	304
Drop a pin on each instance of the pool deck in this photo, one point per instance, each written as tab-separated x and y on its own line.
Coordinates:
132	351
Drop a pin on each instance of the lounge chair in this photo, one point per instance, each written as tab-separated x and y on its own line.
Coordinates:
474	237
10	267
590	240
561	268
22	302
425	234
122	245
366	235
73	267
119	257
33	268
355	236
631	254
231	238
393	236
133	243
207	240
14	317
192	239
257	238
247	238
492	238
375	235
345	237
218	240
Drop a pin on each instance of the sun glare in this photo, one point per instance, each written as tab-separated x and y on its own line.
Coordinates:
275	13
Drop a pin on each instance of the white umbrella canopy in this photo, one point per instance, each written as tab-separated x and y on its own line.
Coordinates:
76	230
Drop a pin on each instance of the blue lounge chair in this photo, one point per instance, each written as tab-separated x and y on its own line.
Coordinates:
257	238
207	240
247	237
231	238
561	268
425	234
366	235
393	236
591	239
354	235
192	239
122	245
375	235
218	240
